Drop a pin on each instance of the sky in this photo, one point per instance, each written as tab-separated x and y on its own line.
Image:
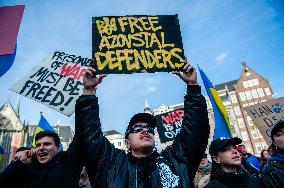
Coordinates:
217	35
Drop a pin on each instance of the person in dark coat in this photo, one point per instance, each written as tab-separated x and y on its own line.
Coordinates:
45	166
226	166
143	166
273	173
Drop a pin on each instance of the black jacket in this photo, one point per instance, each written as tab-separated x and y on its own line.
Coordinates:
63	170
173	167
241	179
273	174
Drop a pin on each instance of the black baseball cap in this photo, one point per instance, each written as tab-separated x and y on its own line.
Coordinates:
221	142
142	117
275	128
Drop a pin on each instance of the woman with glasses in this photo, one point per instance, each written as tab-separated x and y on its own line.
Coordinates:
226	166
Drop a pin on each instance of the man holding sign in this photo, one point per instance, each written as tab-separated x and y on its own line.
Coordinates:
143	166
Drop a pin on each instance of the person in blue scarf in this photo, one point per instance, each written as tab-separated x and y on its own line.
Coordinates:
250	162
273	172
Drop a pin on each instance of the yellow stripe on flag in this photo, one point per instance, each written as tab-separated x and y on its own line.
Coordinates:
221	107
1	160
38	129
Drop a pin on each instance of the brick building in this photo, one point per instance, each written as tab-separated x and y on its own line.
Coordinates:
251	88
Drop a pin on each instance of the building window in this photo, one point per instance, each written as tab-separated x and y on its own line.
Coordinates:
244	135
249	149
234	98
248	95
231	114
255	81
259	134
209	105
245	84
254	94
119	144
237	110
267	91
250	83
242	96
258	147
250	122
254	133
241	122
264	145
212	116
260	92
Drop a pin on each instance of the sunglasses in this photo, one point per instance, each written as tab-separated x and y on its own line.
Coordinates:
139	128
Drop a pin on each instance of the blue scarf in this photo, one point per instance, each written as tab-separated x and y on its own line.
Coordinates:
277	157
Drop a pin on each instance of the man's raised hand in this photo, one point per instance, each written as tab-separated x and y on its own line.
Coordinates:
188	74
91	80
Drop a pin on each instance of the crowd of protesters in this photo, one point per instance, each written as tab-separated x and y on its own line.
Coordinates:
233	166
183	164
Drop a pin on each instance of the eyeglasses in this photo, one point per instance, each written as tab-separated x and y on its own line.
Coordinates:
139	128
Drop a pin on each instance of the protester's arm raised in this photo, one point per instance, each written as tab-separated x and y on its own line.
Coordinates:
91	80
76	150
193	137
97	150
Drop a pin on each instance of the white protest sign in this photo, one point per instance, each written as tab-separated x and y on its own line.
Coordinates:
55	82
266	114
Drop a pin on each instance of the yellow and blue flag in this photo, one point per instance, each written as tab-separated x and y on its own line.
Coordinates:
222	124
2	152
43	125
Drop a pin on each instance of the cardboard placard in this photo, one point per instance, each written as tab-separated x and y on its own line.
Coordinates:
55	82
169	124
127	44
266	114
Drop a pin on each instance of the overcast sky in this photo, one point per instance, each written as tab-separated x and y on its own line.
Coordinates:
217	35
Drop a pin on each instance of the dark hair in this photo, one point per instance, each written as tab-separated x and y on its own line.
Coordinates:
263	160
271	149
22	149
50	134
276	128
204	156
215	169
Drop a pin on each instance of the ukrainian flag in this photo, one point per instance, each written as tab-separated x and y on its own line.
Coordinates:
2	152
43	125
222	124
